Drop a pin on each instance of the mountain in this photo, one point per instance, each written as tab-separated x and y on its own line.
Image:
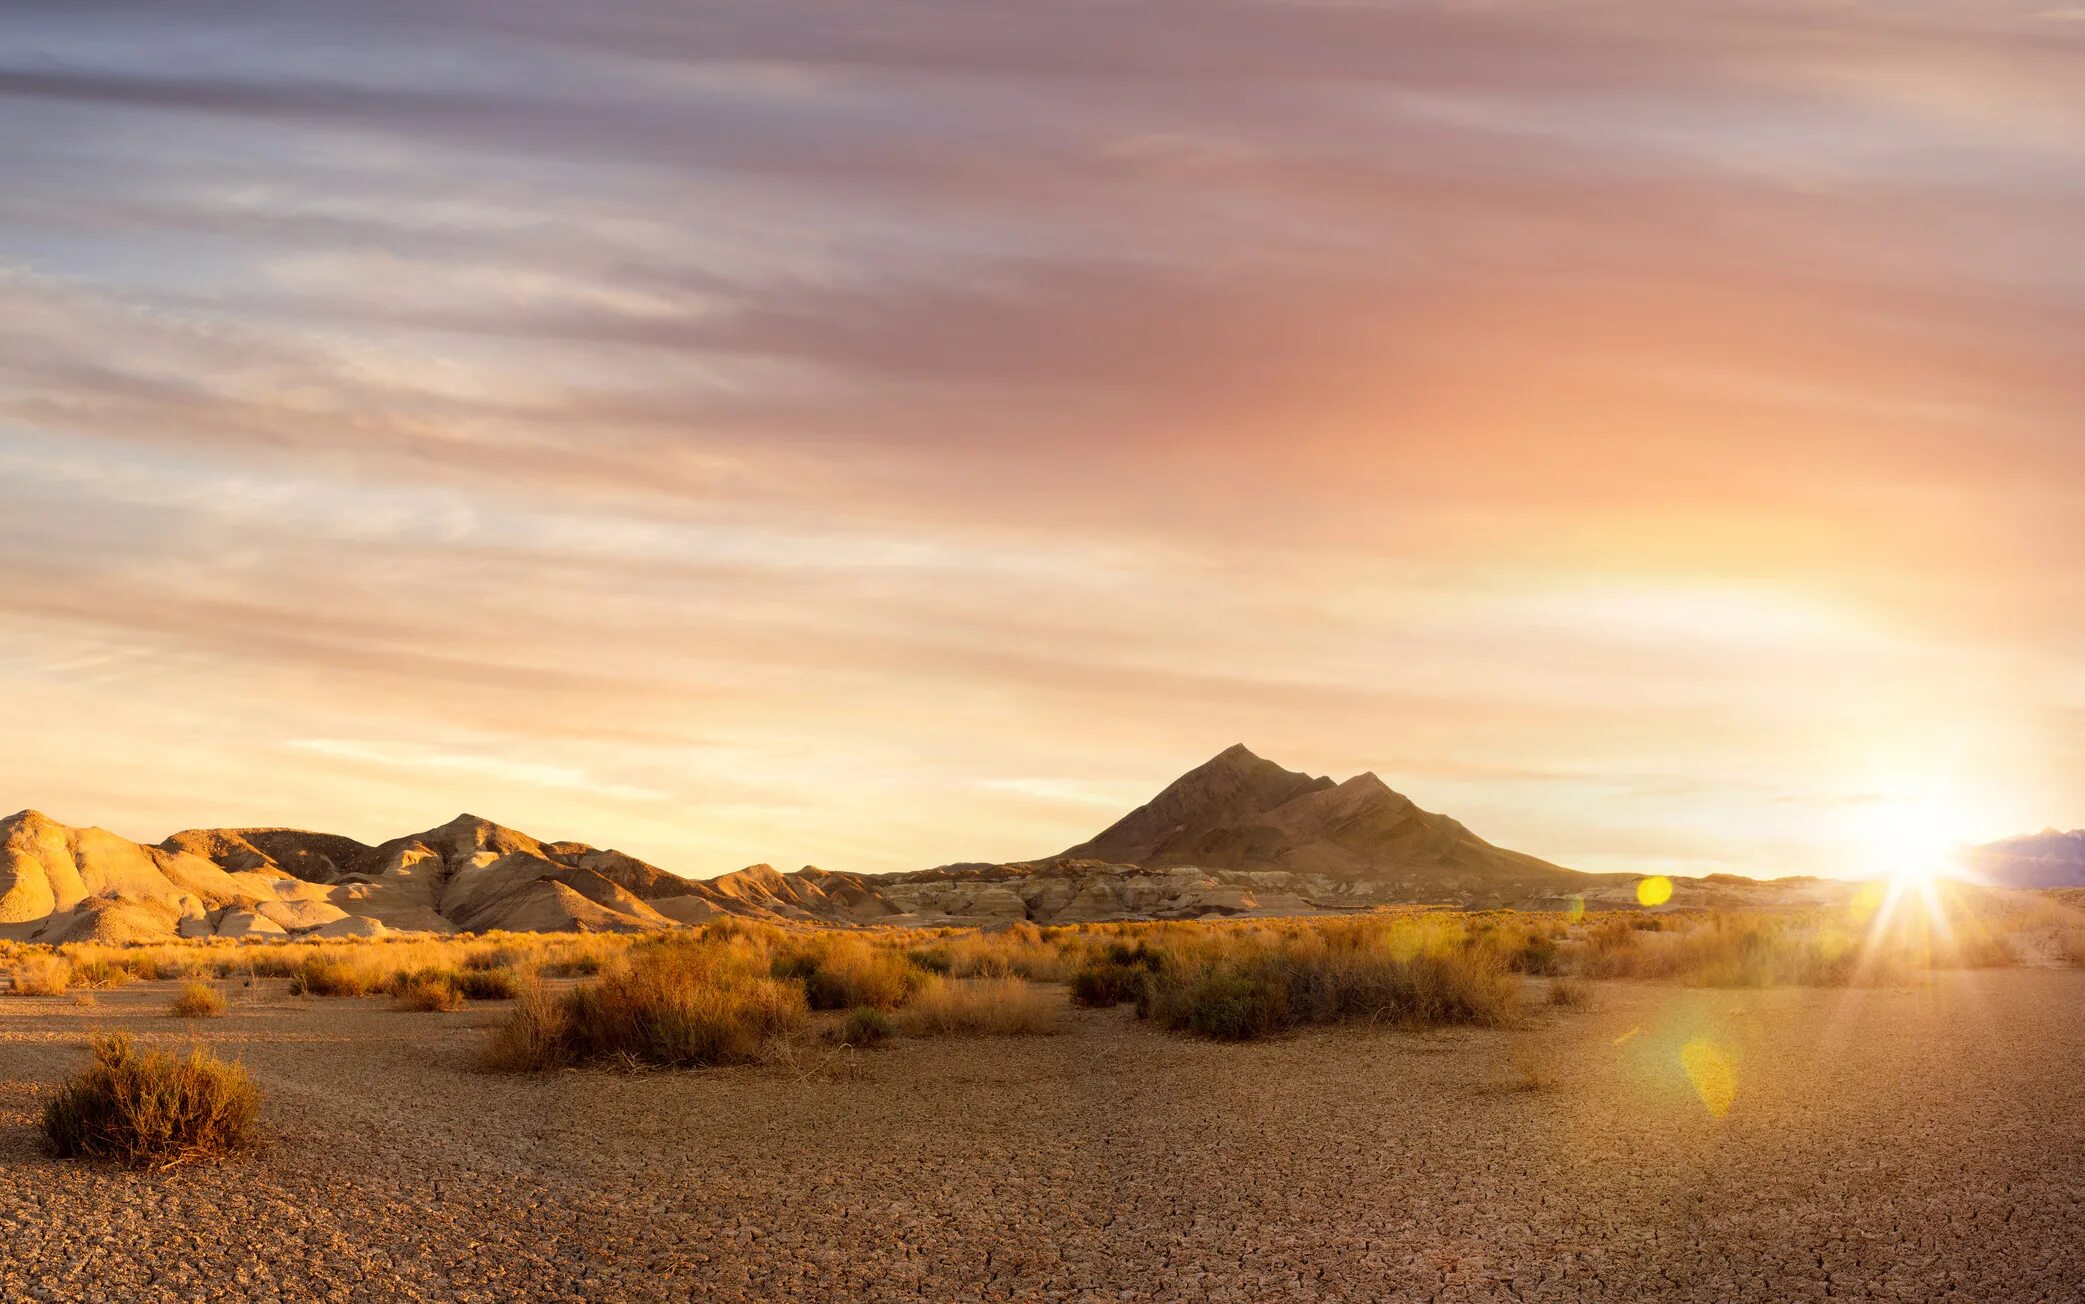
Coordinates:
2039	860
1236	836
1238	811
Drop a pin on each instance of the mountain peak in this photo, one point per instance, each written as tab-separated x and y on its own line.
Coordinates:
1241	811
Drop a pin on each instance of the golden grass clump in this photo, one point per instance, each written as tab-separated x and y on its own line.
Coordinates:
675	1003
152	1109
982	1007
846	972
41	974
329	975
1243	984
427	993
197	1000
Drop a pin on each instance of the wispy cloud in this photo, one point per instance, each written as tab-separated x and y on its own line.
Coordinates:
817	409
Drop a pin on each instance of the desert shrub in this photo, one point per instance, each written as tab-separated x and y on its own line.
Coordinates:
1238	986
499	957
41	974
1530	952
675	1004
1118	973
532	1037
101	973
329	975
1565	990
431	992
930	959
986	1007
867	1027
571	966
482	984
197	1000
841	974
150	1108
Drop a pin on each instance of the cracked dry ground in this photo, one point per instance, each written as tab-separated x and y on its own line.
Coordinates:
1917	1144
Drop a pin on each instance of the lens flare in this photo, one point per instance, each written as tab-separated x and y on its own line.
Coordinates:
1713	1074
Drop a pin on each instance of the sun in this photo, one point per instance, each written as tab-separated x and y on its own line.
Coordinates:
1913	840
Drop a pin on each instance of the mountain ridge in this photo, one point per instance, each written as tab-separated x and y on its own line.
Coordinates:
1236	836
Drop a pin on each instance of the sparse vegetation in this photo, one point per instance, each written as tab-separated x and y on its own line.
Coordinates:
197	1000
867	1027
1239	985
479	983
151	1109
428	993
675	1003
45	974
844	973
989	1007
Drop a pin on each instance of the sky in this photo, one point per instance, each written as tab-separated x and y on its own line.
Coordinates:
878	435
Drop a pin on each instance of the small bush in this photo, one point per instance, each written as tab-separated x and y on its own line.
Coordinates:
867	1027
325	975
101	974
982	1007
1240	987
42	975
152	1109
428	994
675	1004
845	974
1569	991
1116	975
481	984
198	1000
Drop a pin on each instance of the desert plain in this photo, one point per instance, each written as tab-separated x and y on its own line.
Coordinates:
1922	1140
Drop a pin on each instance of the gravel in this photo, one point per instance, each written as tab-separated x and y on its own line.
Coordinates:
1923	1143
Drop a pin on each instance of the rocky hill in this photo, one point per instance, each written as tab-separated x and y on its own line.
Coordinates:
1235	836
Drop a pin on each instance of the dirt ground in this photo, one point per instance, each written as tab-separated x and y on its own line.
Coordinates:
1924	1143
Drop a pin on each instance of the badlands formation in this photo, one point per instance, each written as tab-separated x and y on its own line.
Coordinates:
1236	836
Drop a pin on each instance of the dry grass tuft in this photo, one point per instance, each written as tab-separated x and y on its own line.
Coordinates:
198	1000
48	974
151	1109
844	973
982	1007
328	975
428	994
675	1004
866	1027
1244	984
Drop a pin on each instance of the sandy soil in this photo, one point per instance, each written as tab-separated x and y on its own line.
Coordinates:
1917	1144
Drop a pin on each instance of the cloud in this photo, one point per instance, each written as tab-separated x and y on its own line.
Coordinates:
530	773
817	409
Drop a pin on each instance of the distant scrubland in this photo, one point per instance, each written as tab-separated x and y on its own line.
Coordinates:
730	991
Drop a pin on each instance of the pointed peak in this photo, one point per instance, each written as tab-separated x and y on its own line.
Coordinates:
1366	779
1236	754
